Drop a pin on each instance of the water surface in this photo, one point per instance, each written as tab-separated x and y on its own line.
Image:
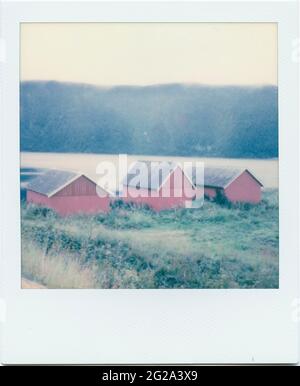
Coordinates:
266	170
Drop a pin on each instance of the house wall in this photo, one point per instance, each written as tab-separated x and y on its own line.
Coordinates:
78	197
80	187
244	189
174	193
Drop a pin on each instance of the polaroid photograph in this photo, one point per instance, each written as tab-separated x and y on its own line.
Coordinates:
146	163
150	164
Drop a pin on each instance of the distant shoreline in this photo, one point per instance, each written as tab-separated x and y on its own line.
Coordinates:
150	155
150	85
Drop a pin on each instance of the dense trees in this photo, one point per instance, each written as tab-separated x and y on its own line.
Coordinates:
174	119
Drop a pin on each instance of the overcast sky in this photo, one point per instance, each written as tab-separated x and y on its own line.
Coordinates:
150	53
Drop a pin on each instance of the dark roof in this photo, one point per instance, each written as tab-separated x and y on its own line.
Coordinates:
52	181
221	177
149	174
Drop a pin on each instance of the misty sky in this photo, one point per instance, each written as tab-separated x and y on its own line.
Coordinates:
150	53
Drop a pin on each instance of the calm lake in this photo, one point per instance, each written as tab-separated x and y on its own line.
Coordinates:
265	170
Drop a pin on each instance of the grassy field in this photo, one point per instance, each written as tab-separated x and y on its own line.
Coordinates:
216	246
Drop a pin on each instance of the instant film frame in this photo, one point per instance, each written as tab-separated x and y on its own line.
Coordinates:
150	326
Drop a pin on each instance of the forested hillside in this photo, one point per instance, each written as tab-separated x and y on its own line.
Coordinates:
175	119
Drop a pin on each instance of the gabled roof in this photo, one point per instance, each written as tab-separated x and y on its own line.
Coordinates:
151	175
219	177
52	181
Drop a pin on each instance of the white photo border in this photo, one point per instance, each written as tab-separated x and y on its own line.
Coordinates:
150	326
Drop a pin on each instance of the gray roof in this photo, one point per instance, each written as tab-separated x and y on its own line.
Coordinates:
220	177
51	181
149	174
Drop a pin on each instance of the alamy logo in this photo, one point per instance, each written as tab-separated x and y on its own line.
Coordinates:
155	179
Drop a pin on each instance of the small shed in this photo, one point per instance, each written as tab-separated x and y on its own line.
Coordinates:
160	185
67	193
237	185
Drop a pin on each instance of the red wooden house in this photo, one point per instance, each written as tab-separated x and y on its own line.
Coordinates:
67	193
160	185
237	185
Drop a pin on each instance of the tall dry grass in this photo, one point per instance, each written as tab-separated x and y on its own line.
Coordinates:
55	270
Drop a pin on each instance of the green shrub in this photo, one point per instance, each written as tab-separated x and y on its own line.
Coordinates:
36	211
221	199
129	205
127	218
120	204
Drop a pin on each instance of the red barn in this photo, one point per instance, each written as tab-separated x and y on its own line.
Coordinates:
67	193
160	185
237	185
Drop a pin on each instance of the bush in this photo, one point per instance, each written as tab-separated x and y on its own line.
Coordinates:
127	216
120	204
35	211
129	205
221	199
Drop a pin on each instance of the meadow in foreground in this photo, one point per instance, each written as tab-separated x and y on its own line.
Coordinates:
216	246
